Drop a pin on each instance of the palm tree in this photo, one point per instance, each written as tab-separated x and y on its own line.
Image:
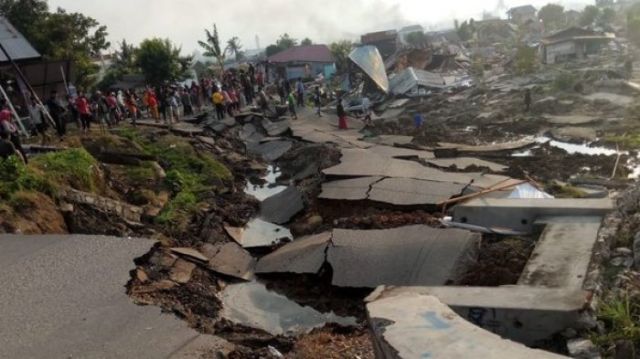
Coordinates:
212	47
234	46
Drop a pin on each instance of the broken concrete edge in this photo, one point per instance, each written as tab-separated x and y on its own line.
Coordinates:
412	325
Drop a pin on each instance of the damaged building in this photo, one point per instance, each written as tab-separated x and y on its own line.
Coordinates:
572	43
304	62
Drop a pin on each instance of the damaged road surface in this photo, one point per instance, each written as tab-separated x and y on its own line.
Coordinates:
411	255
65	297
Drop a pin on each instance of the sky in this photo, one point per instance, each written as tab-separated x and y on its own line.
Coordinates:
324	21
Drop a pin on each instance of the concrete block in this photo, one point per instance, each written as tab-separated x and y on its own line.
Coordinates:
411	325
520	313
520	214
563	253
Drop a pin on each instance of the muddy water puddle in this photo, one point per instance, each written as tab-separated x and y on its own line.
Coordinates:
268	188
253	305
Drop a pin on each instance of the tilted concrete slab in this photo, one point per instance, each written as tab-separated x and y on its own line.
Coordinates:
399	152
230	259
350	190
409	192
410	255
580	133
270	151
571	120
462	163
279	209
414	326
390	140
65	296
359	162
520	313
563	253
258	233
498	147
304	255
520	214
275	128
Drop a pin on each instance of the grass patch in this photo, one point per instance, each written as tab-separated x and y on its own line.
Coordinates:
622	319
565	191
189	173
74	168
625	141
140	175
16	177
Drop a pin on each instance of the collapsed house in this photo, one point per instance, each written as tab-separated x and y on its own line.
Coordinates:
385	41
572	43
522	14
303	62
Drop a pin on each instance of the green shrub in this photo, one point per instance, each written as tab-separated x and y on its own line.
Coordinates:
73	167
565	82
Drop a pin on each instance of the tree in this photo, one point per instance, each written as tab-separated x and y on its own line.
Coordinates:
212	47
417	39
525	60
285	42
234	47
160	61
272	50
306	42
633	24
464	32
607	16
340	51
124	63
59	35
552	15
589	15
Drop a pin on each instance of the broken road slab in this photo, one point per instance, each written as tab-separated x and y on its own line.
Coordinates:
463	163
258	233
405	256
230	259
275	128
571	120
78	307
349	190
270	151
304	255
414	326
279	209
409	192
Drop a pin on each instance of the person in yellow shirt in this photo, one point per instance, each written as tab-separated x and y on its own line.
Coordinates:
218	102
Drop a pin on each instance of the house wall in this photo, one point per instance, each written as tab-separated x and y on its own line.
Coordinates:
307	70
558	52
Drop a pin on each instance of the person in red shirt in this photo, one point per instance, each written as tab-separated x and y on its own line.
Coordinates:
82	105
8	127
153	106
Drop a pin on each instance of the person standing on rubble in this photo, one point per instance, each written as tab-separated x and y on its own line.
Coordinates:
300	92
36	112
317	98
291	101
56	110
366	110
84	110
342	115
218	103
527	100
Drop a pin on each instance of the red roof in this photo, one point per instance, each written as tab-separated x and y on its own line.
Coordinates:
311	53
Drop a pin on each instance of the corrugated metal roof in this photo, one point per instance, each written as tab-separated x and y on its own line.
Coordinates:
368	58
411	78
16	45
311	53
